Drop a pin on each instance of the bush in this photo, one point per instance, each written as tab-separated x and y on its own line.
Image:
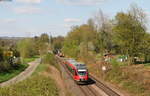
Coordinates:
50	59
37	85
4	66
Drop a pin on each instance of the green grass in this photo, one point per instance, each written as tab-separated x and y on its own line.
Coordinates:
27	60
147	65
40	68
12	73
37	85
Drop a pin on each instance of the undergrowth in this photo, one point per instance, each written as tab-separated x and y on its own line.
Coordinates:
116	75
50	59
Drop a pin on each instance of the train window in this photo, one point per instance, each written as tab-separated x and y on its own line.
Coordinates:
82	73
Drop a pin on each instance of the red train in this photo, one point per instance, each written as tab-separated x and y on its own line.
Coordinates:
79	70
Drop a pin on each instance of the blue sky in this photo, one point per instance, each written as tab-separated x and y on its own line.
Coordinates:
33	17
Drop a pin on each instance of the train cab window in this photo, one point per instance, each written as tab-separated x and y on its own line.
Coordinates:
82	73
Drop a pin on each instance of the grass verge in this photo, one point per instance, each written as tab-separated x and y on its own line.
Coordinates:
147	65
27	60
14	72
116	75
37	85
121	79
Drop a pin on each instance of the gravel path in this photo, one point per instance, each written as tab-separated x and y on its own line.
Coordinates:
23	75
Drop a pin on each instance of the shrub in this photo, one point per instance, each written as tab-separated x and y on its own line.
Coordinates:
50	59
37	85
4	66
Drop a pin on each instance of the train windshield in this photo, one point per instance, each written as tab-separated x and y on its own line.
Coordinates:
82	73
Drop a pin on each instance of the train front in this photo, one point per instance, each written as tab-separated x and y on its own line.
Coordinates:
82	73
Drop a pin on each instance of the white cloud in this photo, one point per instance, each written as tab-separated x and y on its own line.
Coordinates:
27	10
82	2
29	1
71	20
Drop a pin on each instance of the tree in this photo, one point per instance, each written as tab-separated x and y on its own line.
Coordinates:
1	54
80	37
130	31
145	48
44	38
26	48
104	30
57	42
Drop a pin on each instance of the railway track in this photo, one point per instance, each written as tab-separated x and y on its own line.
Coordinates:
88	90
103	87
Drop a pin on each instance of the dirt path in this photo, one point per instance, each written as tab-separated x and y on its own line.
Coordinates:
23	75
